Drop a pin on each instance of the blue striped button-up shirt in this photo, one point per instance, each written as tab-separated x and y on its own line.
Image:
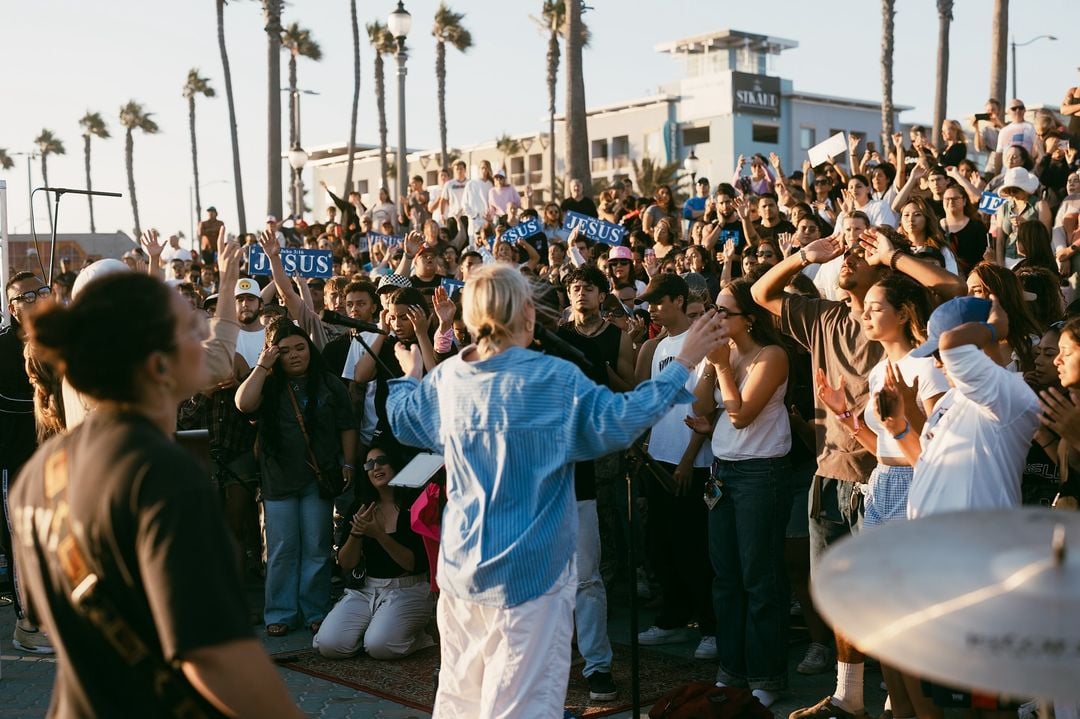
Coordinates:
511	428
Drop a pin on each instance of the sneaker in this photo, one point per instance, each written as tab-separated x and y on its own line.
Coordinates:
827	709
31	639
655	635
601	687
818	659
706	648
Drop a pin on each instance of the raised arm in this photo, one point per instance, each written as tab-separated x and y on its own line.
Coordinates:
880	251
293	302
917	173
249	393
768	291
153	246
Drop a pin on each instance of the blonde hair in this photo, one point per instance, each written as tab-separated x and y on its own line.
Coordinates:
493	303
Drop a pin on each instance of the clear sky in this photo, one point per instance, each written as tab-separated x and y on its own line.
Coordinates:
63	57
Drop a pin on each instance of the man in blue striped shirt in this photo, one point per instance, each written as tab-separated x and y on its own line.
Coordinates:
509	528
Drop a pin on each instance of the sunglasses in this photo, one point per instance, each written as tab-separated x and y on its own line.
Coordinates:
618	262
765	254
1018	107
376	462
31	296
725	312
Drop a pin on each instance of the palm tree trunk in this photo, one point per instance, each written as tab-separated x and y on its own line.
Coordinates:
945	8
577	131
272	12
45	181
888	16
129	163
440	78
355	97
999	46
241	215
293	140
552	82
194	158
380	104
89	185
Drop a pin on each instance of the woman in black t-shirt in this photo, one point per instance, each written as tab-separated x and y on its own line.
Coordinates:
965	235
387	597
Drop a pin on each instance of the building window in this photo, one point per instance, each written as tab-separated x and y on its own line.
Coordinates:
600	155
517	171
536	169
695	136
432	177
652	145
768	134
362	186
620	151
834	131
807	137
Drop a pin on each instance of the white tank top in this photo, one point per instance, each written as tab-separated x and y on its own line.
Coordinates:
670	436
768	436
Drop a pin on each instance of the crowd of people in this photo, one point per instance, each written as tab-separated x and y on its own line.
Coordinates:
782	360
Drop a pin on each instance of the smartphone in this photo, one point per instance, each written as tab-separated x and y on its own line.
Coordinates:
984	116
871	146
883	405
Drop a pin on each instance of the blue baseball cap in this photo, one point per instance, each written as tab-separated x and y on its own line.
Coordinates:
948	316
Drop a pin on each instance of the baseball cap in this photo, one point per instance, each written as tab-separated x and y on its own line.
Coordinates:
271	218
391	282
1016	104
620	253
94	271
247	286
212	209
211	300
500	173
951	315
665	284
703	180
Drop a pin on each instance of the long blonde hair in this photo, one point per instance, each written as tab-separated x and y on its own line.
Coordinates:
493	304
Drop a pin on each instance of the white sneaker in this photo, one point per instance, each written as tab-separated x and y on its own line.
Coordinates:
655	635
31	639
706	648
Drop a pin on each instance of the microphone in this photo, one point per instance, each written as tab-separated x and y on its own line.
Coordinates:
68	190
336	318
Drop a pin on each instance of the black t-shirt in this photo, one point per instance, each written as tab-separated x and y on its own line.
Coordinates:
154	527
377	561
426	284
17	435
771	233
968	244
585	206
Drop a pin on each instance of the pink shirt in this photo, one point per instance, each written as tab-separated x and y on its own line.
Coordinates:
500	199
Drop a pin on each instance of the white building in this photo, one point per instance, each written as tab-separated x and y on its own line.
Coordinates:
725	104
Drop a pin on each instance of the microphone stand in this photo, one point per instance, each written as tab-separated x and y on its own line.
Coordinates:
374	355
58	192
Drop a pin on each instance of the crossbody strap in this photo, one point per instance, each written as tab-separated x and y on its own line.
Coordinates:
303	430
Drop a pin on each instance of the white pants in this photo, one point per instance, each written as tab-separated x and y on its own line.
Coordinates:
499	663
387	618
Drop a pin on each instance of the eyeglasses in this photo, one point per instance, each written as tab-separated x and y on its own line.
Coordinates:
821	182
31	296
376	462
725	312
618	262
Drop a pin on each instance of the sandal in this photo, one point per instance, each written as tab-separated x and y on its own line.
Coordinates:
277	630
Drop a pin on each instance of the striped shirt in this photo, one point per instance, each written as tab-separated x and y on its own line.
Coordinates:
511	428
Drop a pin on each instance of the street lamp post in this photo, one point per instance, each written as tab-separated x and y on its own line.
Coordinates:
297	159
399	23
690	165
1015	45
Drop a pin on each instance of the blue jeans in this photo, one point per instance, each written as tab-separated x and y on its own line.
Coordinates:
590	603
298	545
750	590
836	510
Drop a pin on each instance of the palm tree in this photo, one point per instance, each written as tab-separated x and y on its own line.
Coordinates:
384	44
507	146
272	17
351	148
999	62
577	131
888	17
241	214
48	144
554	18
93	125
650	174
944	9
196	85
6	163
447	29
299	43
133	117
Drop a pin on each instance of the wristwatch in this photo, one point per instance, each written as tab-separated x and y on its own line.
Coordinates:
803	257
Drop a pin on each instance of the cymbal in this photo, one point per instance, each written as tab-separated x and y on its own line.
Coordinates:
988	601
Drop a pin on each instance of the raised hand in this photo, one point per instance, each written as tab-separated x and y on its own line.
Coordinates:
742	207
741	162
150	240
230	256
835	398
898	140
879	248
652	265
1061	413
700	425
269	243
574	234
268	357
445	309
774	160
892	402
709	236
823	250
419	318
806	166
414	241
853	144
786	242
720	355
729	250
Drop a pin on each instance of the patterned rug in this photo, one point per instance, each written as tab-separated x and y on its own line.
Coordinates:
409	681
